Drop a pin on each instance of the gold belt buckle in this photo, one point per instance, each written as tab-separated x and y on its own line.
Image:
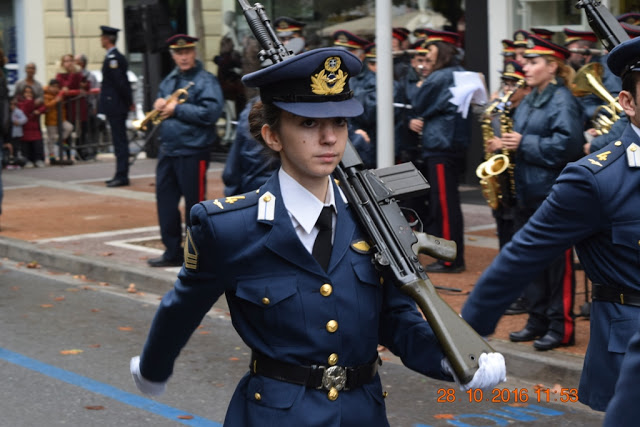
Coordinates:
334	377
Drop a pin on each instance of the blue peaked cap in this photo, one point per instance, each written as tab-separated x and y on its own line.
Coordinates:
312	84
625	57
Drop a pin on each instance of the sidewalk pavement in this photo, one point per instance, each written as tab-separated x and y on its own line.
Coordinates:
64	218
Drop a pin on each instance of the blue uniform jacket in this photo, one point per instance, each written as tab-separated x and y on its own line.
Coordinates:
250	260
192	128
623	410
249	163
593	206
115	89
444	131
551	137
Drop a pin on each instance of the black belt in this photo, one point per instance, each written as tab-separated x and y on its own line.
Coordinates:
315	376
617	295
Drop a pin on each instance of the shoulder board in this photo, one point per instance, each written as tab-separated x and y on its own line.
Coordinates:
231	203
603	158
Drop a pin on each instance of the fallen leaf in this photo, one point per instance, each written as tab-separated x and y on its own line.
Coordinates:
94	346
234	359
46	305
473	239
444	416
94	407
103	284
125	328
80	277
204	332
73	351
106	253
185	417
58	299
15	288
95	310
33	264
132	288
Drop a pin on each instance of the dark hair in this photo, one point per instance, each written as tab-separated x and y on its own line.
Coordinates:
54	82
447	55
630	81
263	114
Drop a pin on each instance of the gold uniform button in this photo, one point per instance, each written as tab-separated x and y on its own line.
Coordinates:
332	326
326	289
638	242
333	359
257	396
618	143
633	148
266	301
267	198
333	394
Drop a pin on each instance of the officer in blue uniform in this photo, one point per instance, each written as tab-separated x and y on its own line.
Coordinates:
446	135
305	298
186	136
115	102
593	206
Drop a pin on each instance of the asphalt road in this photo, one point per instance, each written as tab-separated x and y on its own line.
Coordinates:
65	345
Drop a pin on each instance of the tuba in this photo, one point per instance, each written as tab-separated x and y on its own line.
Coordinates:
588	81
496	173
153	116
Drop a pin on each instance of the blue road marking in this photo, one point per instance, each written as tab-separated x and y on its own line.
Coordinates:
105	389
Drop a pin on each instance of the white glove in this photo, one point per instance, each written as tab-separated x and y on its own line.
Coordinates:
147	387
491	372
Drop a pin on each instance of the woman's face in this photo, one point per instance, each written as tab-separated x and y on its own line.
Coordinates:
538	72
432	54
310	149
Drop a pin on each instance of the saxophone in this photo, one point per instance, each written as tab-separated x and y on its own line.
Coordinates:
498	187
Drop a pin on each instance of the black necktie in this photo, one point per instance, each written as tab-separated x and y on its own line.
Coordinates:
322	246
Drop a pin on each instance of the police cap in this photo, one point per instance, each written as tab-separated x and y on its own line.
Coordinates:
109	31
512	70
520	38
537	46
625	57
574	36
312	84
181	41
346	39
286	26
543	33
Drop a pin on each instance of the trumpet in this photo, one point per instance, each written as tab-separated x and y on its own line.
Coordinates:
587	81
153	116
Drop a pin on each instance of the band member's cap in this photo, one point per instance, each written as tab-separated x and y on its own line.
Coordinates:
574	36
286	26
181	41
346	39
442	36
543	33
400	33
632	18
537	46
512	70
312	84
508	48
632	30
370	51
520	38
109	31
419	46
625	57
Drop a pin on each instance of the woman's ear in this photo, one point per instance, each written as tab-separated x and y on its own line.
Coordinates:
627	102
271	138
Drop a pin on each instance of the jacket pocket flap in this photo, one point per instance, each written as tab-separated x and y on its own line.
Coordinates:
266	291
366	273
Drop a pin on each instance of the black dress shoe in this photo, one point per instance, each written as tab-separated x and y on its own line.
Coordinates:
441	267
118	182
109	180
516	307
524	335
551	340
163	262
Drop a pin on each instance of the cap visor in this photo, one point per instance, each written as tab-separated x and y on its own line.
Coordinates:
322	110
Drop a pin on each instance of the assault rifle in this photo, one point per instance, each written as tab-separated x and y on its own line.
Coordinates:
603	23
374	195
